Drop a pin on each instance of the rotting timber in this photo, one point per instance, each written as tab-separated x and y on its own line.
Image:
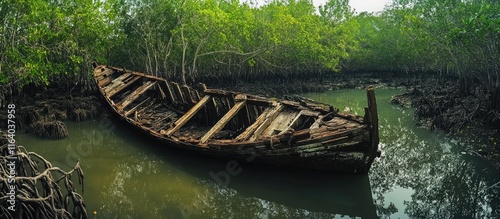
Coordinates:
244	127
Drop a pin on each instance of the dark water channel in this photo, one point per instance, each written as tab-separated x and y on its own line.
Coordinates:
421	174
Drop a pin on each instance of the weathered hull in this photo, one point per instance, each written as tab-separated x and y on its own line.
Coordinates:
246	128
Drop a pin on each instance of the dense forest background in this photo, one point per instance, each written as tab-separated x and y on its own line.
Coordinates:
53	42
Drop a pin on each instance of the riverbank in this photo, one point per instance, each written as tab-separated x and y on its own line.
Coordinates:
466	115
283	88
44	112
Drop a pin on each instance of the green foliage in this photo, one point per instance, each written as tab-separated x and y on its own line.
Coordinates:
216	38
459	38
43	41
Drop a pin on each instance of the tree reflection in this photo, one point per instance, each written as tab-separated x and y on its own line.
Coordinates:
445	183
460	191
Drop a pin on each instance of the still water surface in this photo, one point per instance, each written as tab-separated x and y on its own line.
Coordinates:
421	174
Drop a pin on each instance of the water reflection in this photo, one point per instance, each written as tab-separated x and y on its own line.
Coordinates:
445	182
423	174
128	176
277	193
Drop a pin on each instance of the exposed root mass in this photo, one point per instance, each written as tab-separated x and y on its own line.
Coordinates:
42	190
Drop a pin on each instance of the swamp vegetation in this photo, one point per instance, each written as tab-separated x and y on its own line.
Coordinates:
47	43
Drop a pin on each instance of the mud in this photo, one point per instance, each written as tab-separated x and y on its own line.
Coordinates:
43	114
466	115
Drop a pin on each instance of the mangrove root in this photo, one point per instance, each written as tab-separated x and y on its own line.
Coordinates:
42	191
79	115
50	129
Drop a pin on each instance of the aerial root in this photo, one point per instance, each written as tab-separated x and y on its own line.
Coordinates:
50	129
42	191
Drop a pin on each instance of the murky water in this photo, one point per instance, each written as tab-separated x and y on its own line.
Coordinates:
421	174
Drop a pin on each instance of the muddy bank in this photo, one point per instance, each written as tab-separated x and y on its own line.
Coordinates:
280	89
44	112
466	115
447	107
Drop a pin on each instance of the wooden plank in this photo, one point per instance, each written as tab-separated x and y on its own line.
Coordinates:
134	95
258	101
104	73
251	129
280	123
222	122
122	77
169	92
146	108
218	93
127	79
186	117
137	106
161	92
295	121
111	86
178	93
115	83
310	113
127	84
202	87
187	94
269	118
104	82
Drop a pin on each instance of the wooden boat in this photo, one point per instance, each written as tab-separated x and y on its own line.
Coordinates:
243	127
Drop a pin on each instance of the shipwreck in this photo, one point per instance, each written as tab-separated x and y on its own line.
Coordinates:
238	126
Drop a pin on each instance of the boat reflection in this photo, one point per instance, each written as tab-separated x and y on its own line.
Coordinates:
184	185
276	191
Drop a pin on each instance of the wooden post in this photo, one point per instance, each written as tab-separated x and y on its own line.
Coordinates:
372	117
372	107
